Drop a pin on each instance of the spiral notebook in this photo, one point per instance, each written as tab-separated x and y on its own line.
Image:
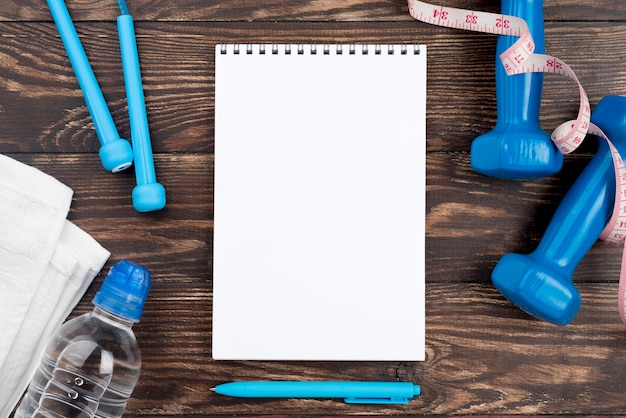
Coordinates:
319	202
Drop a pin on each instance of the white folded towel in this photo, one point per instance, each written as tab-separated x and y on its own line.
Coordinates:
77	260
46	264
33	208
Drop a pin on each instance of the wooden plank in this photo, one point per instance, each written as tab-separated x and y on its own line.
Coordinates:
472	220
176	242
484	356
283	10
43	109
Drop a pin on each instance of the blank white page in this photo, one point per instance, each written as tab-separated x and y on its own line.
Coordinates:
318	250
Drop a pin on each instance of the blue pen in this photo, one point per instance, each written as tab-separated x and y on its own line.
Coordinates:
353	392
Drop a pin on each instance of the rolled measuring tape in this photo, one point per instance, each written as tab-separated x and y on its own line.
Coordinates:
520	58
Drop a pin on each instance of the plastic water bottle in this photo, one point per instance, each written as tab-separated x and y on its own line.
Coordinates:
90	367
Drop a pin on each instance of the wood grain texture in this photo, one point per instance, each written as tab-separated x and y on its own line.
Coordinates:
484	356
281	10
43	103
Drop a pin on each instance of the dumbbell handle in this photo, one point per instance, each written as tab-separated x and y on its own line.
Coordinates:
582	214
588	205
517	147
518	97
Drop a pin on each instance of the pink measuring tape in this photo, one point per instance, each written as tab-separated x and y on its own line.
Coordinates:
520	58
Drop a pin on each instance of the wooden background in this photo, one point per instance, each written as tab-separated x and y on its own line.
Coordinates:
484	356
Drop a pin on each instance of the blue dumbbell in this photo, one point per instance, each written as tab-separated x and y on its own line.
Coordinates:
541	283
517	147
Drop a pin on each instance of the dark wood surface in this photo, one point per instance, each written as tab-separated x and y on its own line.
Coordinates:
484	356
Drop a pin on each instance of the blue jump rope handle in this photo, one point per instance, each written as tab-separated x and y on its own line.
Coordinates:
148	194
541	283
517	147
115	153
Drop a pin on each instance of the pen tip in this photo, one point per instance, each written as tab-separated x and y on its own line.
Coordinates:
212	389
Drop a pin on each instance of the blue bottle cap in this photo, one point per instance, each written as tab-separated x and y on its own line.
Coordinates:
125	290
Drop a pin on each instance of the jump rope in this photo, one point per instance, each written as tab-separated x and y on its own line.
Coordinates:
116	153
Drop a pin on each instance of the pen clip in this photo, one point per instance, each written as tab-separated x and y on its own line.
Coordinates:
377	401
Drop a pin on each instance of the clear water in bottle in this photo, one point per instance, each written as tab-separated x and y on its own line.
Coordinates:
92	364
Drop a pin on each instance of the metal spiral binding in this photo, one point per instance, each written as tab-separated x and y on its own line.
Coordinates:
324	49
